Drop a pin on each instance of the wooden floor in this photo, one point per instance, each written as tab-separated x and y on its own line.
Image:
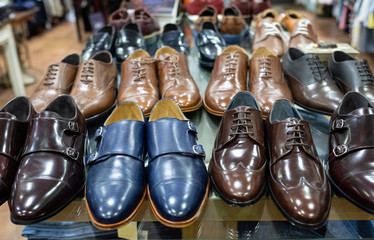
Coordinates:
61	40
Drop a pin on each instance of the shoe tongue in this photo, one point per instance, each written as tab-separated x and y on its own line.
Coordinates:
7	115
49	114
362	111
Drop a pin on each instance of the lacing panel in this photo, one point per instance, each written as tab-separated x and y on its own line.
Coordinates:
87	72
138	68
318	69
51	75
296	136
365	72
242	123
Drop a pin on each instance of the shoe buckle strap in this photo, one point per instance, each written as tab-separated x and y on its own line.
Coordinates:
192	128
198	150
340	150
73	126
339	124
72	153
98	134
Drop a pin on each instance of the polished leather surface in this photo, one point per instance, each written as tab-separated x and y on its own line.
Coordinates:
209	43
175	80
58	80
173	36
177	196
266	80
129	39
351	74
269	34
119	18
351	150
303	33
115	182
103	40
298	183
146	21
208	14
51	171
95	84
311	85
229	76
194	7
232	21
238	164
139	81
14	121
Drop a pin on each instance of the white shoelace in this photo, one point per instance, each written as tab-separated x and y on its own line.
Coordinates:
302	27
275	29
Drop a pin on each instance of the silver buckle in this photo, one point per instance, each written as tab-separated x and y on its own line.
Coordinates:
340	150
73	126
71	152
98	133
198	150
338	124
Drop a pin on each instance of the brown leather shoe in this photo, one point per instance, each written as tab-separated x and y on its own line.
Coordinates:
15	119
297	180
270	14
269	34
208	14
149	25
351	150
176	81
229	76
58	80
232	21
51	171
119	18
139	81
266	80
239	179
95	85
290	18
303	33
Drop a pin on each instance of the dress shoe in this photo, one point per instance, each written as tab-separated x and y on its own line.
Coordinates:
14	121
270	14
351	150
175	79
119	18
351	74
311	85
149	25
229	76
290	18
115	185
266	80
233	27
58	80
260	6
173	36
139	81
244	6
238	164
51	171
103	40
129	39
303	33
95	85
298	183
194	7
210	44
178	180
208	14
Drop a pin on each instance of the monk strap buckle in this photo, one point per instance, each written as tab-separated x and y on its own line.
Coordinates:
73	126
72	153
340	150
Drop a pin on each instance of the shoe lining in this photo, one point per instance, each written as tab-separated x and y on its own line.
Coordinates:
234	48
166	108
262	51
64	106
282	110
165	50
72	59
242	99
125	111
19	108
138	54
353	101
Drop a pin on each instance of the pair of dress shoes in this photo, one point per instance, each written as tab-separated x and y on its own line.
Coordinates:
41	157
92	84
177	177
143	77
239	171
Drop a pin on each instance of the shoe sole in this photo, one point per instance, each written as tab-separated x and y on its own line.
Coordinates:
192	108
113	226
104	114
213	112
47	216
181	224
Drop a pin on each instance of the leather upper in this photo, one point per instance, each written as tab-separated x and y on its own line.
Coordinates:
119	19
139	81
95	84
51	171
173	36
208	14
101	41
146	21
232	21
266	80
351	150
302	33
229	76
195	7
175	80
58	80
290	19
351	74
311	85
129	39
115	182
238	163
298	182
176	196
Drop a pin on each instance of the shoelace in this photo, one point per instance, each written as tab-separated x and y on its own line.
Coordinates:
241	123
51	75
302	27
365	72
138	69
172	65
318	70
88	69
231	64
295	137
264	68
275	29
